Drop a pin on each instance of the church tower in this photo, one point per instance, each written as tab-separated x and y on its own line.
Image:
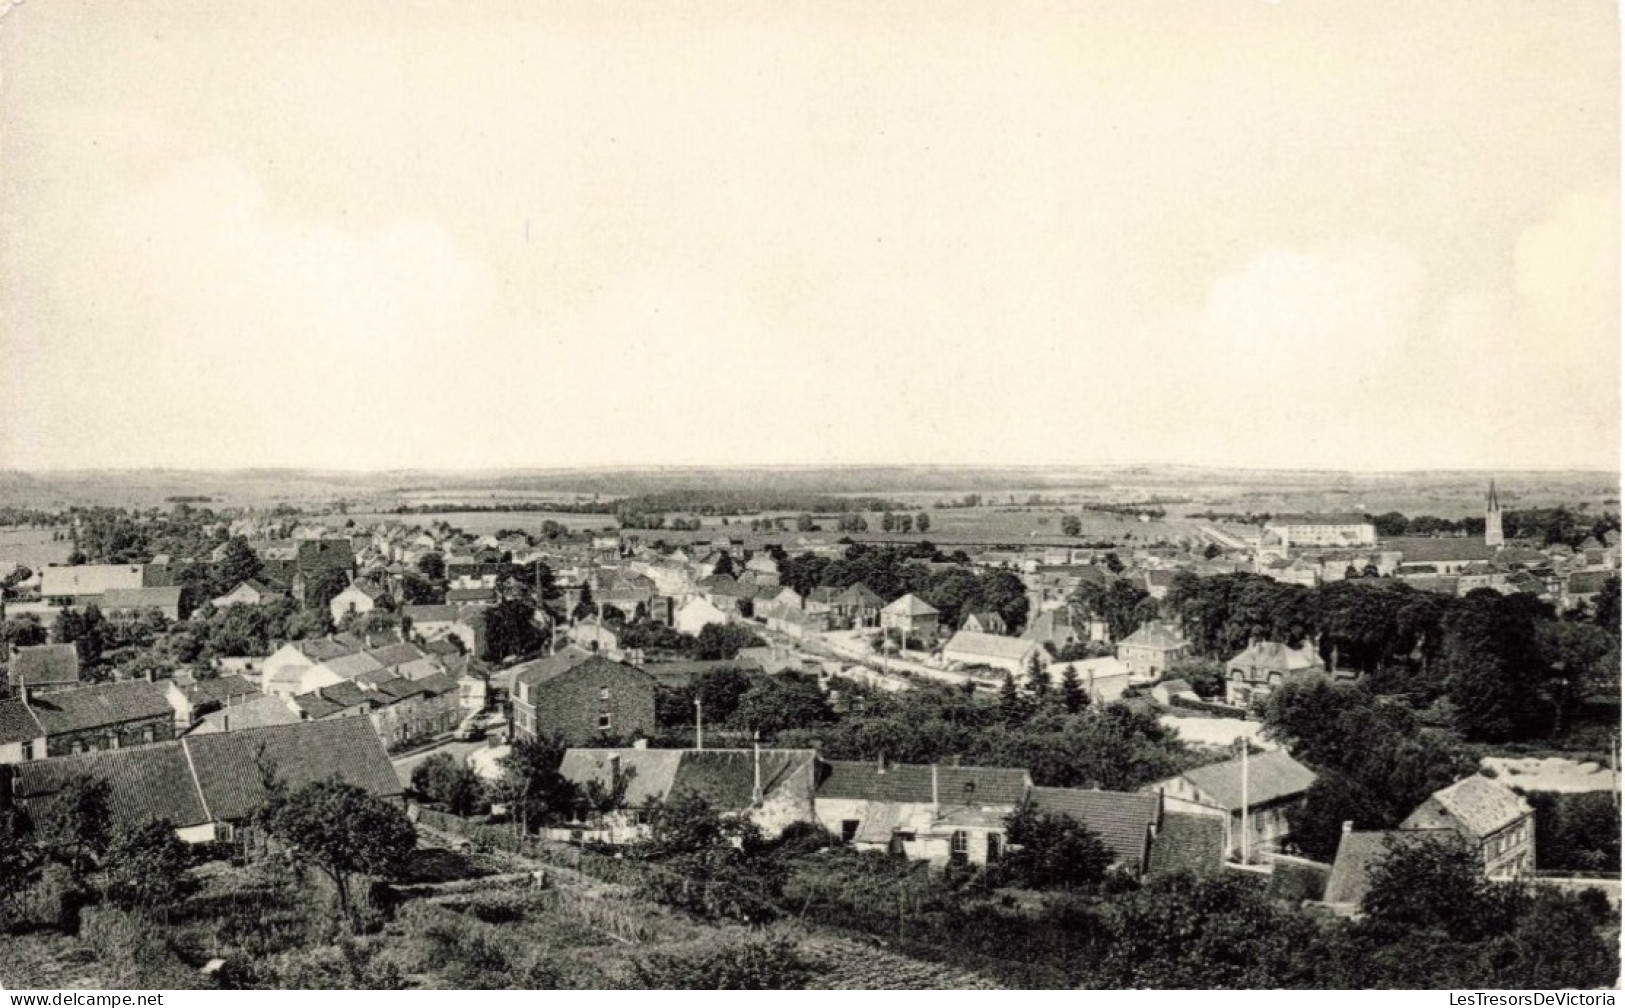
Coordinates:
1493	535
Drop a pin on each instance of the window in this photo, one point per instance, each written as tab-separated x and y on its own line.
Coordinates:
603	694
603	722
959	847
849	829
995	846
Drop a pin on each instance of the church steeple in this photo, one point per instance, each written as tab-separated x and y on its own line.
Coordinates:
1493	536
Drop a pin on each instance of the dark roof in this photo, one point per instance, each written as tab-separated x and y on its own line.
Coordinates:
140	598
726	777
1123	819
147	782
324	554
330	700
681	673
1187	842
554	665
17	723
1358	850
218	690
97	706
228	764
1271	776
861	594
395	654
1588	582
431	613
911	783
45	665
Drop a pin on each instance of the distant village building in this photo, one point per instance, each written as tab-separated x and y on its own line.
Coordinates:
941	814
1489	817
1152	650
1272	784
910	615
1264	667
1323	530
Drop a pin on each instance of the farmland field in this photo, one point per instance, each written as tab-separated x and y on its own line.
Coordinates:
481	522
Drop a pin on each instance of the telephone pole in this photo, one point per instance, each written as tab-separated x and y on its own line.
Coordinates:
699	725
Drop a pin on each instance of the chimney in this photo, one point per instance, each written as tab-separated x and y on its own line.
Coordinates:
935	805
225	721
1348	825
641	743
881	763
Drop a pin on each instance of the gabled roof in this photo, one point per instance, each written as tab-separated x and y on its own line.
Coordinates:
228	764
1187	842
969	642
259	712
431	613
394	654
45	665
1276	657
330	700
910	605
145	782
97	706
1123	819
218	690
1588	582
351	665
1482	805
911	783
1358	851
1271	776
1154	634
652	770
17	723
534	673
860	595
141	598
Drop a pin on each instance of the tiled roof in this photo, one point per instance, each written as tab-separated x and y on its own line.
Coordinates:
1588	582
17	723
652	770
1274	656
554	665
726	777
1357	851
45	665
861	595
684	672
229	764
1270	776
1187	842
911	783
146	782
140	598
352	665
430	613
394	654
969	642
256	713
1482	805
98	706
1123	819
89	579
219	690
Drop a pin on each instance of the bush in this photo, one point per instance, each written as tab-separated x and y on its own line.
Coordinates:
773	964
136	953
51	901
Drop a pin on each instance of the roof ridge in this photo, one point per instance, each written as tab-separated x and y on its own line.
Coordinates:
202	798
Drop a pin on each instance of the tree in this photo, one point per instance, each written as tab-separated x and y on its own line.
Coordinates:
1607	606
76	824
1492	666
782	702
905	524
147	868
532	786
922	521
445	780
1038	678
1113	564
1071	525
1073	697
325	586
418	590
1053	851
1422	883
1013	708
804	523
20	857
723	641
686	823
237	564
23	631
343	831
510	629
432	566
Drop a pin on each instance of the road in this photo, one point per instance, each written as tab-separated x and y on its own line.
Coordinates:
854	646
406	764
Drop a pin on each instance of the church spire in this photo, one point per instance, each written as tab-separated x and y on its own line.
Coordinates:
1493	535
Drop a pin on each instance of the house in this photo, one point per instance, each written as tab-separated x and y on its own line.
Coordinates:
1264	666
1358	851
594	636
249	593
131	601
209	786
696	614
1126	821
45	667
315	560
1252	799
794	622
910	615
1104	680
986	623
582	701
1054	628
261	711
339	700
940	814
482	597
855	606
408	709
192	699
1152	650
1581	588
106	716
1012	654
1490	818
442	622
87	583
1167	690
360	597
772	787
1323	530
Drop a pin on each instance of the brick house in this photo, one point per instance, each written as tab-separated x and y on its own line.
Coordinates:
583	702
108	716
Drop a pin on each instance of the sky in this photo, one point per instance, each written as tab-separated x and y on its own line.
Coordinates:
1357	234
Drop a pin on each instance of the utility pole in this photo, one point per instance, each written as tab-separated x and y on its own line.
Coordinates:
1246	830
699	725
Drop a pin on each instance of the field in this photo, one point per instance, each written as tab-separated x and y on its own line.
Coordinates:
32	548
481	522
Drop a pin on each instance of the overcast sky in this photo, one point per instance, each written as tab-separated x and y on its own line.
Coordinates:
1353	234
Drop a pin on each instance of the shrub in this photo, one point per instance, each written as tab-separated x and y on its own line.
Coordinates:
136	953
773	964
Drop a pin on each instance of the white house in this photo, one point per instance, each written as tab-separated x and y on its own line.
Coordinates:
697	613
1014	655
